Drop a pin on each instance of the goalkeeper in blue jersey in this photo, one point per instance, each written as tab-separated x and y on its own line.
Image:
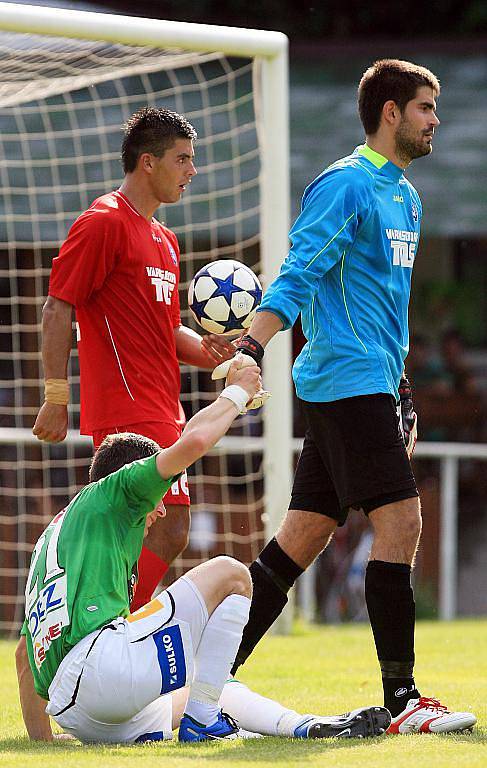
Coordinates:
348	276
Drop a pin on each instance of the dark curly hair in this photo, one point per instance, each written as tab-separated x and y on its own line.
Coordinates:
117	450
152	129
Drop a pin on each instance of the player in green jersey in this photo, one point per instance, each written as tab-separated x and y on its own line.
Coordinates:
101	669
105	673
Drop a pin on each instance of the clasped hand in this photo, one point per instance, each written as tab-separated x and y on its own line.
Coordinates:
243	371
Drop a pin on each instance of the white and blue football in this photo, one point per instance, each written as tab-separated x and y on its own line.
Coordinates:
223	296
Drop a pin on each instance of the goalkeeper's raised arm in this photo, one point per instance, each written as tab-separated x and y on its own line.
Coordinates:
264	326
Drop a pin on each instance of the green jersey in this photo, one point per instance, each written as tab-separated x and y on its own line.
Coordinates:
84	566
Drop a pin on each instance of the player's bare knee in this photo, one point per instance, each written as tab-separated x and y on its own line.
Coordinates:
409	529
303	535
235	576
397	528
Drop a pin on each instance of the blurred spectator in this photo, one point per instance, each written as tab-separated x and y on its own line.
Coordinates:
458	375
427	376
447	396
424	369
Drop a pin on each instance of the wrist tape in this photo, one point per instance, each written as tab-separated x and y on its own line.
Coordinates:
237	395
56	391
251	347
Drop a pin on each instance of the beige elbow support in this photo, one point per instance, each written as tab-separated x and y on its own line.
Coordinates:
56	391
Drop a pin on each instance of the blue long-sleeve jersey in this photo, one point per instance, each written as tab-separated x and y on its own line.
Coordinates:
349	275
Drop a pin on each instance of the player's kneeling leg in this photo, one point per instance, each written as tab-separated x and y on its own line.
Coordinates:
214	599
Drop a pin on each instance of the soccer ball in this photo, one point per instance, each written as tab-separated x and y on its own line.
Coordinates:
223	296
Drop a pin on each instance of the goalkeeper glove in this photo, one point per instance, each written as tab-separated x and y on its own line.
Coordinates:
250	348
408	419
250	352
258	400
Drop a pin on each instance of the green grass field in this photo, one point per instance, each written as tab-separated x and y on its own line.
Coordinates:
323	670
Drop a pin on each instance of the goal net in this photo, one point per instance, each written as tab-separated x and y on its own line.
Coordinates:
63	102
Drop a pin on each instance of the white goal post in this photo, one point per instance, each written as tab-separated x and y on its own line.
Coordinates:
136	48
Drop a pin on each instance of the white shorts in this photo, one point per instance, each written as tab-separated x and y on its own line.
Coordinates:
115	685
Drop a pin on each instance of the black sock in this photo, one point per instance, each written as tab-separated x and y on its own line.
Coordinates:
391	608
397	692
273	574
283	569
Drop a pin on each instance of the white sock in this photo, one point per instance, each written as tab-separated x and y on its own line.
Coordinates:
256	713
214	658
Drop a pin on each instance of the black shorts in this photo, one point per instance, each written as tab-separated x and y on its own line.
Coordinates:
353	456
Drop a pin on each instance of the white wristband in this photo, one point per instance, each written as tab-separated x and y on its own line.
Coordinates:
238	396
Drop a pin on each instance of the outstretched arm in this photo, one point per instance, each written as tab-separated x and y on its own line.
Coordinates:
263	327
211	423
52	420
201	351
33	706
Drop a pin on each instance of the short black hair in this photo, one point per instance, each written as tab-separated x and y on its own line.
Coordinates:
390	80
152	129
117	450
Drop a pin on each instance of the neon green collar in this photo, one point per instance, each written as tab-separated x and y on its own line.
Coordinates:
374	157
380	162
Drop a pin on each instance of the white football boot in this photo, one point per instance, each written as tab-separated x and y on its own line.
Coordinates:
425	715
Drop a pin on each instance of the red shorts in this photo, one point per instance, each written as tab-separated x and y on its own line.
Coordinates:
163	433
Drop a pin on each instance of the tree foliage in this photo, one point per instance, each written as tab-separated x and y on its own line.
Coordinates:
316	20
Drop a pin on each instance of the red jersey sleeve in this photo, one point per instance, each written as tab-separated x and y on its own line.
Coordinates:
175	305
86	258
175	308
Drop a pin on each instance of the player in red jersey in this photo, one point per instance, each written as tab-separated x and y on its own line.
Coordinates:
119	269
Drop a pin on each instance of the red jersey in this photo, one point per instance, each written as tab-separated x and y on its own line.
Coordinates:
121	273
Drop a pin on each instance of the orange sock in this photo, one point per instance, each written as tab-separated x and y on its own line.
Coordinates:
151	570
